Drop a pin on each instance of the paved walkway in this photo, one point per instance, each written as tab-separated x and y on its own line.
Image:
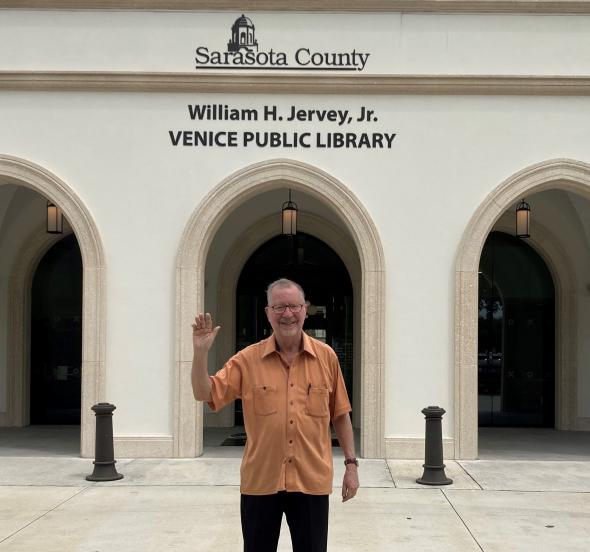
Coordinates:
46	505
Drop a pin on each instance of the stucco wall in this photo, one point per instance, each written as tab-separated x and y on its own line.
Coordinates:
420	194
449	153
462	44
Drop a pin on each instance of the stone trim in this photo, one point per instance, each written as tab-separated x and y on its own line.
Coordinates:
256	83
583	424
143	447
378	6
570	175
25	173
412	448
190	269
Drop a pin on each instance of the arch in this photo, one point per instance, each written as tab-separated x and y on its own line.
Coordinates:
25	173
190	291
565	174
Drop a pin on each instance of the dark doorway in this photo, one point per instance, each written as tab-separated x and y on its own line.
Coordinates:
328	289
56	336
516	341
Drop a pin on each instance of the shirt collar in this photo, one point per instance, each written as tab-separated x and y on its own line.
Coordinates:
270	346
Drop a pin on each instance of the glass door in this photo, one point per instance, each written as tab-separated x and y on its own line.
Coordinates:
516	340
316	267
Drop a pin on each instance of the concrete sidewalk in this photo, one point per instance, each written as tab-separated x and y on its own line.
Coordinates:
46	505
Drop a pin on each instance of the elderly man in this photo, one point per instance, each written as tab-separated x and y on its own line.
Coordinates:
291	386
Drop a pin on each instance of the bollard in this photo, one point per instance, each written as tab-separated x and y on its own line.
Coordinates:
434	469
104	456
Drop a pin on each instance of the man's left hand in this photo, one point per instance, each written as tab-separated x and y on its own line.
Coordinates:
350	484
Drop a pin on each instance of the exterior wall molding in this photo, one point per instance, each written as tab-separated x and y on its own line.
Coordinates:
202	227
231	269
566	174
143	447
122	81
379	6
25	173
413	448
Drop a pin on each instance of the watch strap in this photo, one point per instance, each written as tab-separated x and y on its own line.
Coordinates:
351	461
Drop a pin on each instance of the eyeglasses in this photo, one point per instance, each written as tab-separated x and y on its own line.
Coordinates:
280	309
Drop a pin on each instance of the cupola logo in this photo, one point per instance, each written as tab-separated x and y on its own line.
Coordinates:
242	36
243	53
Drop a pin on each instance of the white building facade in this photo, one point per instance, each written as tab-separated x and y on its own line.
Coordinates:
171	139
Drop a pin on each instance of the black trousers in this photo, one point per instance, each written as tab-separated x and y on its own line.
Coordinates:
307	517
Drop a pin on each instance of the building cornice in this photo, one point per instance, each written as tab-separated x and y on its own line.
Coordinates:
294	84
465	6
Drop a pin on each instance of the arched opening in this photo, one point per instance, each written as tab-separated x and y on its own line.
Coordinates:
26	187
559	191
56	336
228	226
516	336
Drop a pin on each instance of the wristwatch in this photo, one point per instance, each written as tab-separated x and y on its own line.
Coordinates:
351	461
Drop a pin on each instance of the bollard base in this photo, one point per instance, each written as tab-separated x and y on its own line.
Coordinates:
104	471
434	475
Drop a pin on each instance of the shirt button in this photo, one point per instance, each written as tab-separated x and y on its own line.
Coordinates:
290	441
291	385
289	460
291	402
291	422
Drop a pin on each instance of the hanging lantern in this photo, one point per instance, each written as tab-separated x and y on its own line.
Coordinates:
289	215
55	219
523	219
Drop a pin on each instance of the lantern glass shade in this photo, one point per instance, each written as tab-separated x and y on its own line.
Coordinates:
289	218
55	219
523	219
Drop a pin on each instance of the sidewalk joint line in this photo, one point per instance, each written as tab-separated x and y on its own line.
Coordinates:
564	491
469	475
44	514
462	520
390	474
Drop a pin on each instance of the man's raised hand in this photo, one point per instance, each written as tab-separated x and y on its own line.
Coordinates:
204	333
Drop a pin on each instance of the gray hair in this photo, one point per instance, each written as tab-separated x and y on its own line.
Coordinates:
283	283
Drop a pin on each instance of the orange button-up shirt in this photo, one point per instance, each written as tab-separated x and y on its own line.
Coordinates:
287	413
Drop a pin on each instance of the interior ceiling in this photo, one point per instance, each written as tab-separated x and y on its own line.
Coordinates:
270	204
13	197
555	208
267	204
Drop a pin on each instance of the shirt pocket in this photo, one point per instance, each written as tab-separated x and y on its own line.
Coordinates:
265	400
318	402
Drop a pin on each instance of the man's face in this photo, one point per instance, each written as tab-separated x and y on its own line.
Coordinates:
288	323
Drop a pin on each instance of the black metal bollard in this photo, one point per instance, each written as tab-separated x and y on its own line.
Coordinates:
434	469
104	456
